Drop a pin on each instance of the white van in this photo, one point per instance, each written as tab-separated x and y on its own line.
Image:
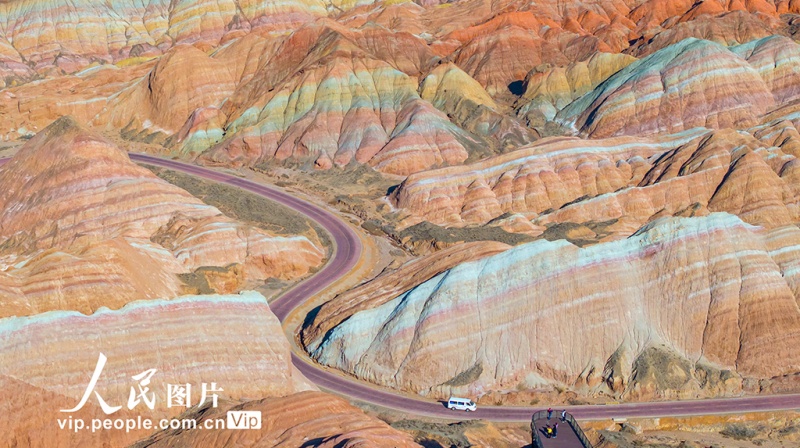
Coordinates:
461	404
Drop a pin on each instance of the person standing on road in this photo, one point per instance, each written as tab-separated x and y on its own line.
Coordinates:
564	415
555	430
549	413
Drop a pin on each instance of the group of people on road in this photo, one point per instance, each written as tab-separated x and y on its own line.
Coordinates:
551	432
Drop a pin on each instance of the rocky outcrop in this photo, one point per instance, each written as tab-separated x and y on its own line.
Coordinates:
389	285
240	347
532	181
86	31
233	341
612	187
84	227
332	101
686	85
169	95
641	317
465	101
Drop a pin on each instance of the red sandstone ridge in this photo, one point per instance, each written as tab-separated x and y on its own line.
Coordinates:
163	100
85	227
611	187
401	88
68	36
391	284
686	85
232	340
659	138
333	96
685	307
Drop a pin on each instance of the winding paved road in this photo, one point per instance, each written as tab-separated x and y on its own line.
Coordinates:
347	246
347	251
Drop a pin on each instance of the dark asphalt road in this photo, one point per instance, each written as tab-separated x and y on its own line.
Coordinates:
347	253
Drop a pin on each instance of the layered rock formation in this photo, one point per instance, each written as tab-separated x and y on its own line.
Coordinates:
725	28
163	100
690	84
72	35
641	317
562	32
689	108
625	193
239	346
686	85
391	284
84	227
400	87
775	59
89	32
332	100
618	184
504	49
549	89
233	341
31	107
465	101
535	180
